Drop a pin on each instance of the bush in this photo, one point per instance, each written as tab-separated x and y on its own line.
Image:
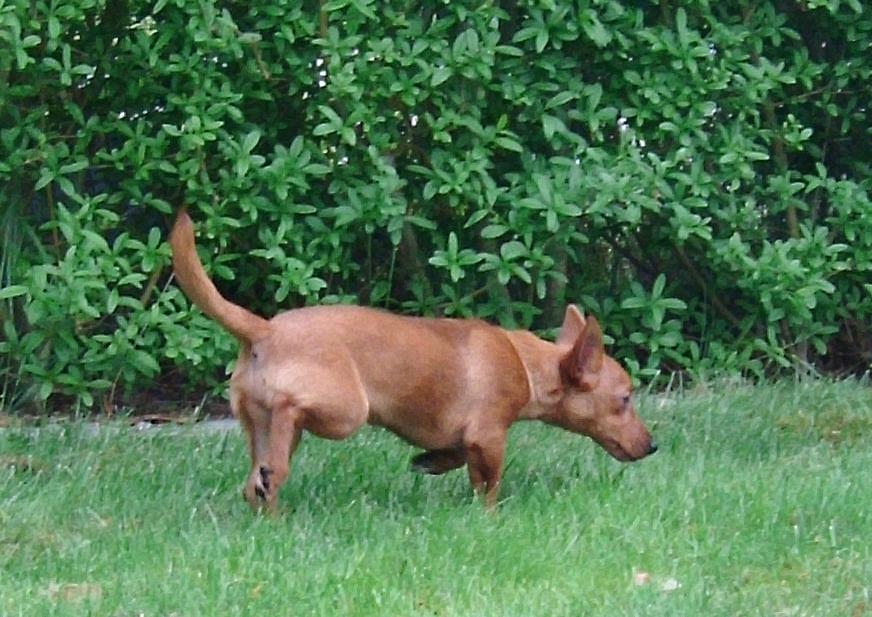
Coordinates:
694	175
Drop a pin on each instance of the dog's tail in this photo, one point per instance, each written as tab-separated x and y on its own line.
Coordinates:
192	278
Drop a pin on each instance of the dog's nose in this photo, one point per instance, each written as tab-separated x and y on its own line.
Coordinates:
652	448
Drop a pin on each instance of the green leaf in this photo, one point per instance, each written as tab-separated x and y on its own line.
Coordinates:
363	8
45	390
597	33
524	34
561	98
45	177
532	202
659	285
54	27
112	301
420	221
509	50
316	169
594	94
250	38
332	116
522	273
460	46
145	362
477	216
440	75
250	141
543	183
509	144
452	243
323	129
565	209
12	291
493	231
673	303
634	303
430	189
21	62
456	272
512	250
552	125
334	5
681	26
70	168
541	40
349	136
552	224
66	186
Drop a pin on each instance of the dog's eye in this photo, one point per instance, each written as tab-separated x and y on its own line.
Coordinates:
625	402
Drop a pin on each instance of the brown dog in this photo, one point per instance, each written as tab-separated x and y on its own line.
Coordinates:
450	386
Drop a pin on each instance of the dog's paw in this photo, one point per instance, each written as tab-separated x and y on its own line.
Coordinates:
262	483
259	489
419	463
435	462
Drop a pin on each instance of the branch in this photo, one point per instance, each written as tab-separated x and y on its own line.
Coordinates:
699	279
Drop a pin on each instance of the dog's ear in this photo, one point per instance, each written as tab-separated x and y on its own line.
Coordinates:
573	324
581	366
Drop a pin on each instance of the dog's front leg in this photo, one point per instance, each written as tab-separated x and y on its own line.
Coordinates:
272	464
484	460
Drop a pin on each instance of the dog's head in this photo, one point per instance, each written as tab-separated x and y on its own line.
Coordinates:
596	394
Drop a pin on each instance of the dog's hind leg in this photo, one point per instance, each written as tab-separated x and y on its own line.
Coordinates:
255	425
273	464
436	462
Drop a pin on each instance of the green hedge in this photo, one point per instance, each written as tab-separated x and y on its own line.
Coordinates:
696	174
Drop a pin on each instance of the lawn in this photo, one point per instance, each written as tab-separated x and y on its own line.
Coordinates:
758	503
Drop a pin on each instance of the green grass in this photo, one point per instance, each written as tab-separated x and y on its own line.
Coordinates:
758	503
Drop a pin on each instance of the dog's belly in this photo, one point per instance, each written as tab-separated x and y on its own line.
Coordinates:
422	428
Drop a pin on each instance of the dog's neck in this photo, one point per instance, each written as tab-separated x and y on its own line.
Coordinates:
541	360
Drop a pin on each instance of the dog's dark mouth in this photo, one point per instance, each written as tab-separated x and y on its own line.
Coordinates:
617	451
620	454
